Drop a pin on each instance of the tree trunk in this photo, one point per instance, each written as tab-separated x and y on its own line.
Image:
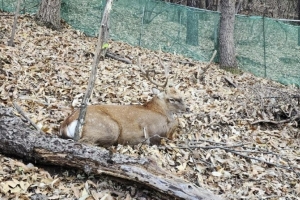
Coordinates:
226	34
238	6
17	139
202	4
298	10
209	5
192	37
49	14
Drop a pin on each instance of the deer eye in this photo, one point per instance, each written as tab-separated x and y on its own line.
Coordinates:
172	100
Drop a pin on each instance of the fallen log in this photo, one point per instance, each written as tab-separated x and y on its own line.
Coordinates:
18	139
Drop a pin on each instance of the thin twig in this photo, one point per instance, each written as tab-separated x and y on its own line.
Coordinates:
230	81
195	161
210	141
277	122
19	109
270	97
200	75
34	100
252	151
269	163
229	149
116	57
183	62
212	147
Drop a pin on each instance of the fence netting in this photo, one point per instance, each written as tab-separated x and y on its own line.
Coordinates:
265	47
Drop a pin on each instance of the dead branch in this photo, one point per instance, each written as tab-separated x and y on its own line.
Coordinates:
230	81
271	121
255	151
201	74
116	57
195	144
209	147
184	62
100	52
199	141
297	117
270	97
19	109
270	105
28	98
289	168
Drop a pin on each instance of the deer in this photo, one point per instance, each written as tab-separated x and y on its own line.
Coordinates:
108	125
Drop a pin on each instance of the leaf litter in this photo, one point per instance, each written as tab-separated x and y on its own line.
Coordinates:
240	140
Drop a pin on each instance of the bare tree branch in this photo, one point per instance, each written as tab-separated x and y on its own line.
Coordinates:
116	57
100	52
19	109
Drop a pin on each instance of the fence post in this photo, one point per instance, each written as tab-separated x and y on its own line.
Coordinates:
264	43
298	36
142	27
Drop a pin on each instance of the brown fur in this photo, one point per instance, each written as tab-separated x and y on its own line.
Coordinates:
107	125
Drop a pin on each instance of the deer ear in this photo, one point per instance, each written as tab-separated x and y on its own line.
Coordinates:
158	93
155	91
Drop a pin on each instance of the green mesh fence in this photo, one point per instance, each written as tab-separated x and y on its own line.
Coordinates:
150	24
27	6
265	47
269	48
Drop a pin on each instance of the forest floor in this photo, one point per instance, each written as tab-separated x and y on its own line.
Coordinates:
240	140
